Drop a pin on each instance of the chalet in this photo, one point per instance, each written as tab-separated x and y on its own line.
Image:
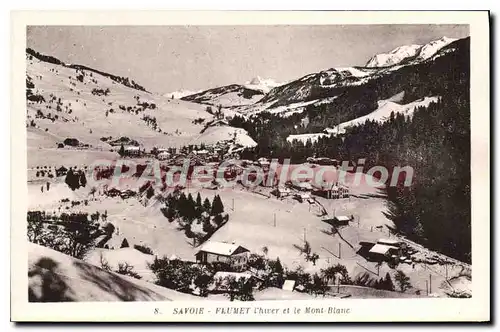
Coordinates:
113	192
229	253
338	220
163	155
264	163
323	161
342	220
339	191
179	159
335	132
302	186
281	192
213	157
382	251
127	193
302	196
132	150
61	171
336	191
201	153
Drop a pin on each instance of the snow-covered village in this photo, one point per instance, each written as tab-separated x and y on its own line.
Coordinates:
333	180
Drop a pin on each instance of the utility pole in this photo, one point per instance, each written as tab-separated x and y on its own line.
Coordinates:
446	267
430	283
340	256
427	287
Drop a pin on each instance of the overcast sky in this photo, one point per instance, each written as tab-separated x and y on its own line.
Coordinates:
170	58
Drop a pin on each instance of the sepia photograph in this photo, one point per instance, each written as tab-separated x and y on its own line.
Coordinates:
250	164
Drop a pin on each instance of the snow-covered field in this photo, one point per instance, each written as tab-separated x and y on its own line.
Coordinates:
219	133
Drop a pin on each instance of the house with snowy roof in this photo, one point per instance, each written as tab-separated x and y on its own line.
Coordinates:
229	253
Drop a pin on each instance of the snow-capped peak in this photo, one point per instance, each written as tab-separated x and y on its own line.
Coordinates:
407	52
395	56
431	48
258	83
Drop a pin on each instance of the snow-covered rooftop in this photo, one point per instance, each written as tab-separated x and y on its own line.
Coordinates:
221	248
381	249
388	241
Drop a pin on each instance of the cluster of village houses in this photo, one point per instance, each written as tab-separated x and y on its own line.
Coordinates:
223	151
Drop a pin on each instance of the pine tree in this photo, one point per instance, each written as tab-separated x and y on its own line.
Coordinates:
402	280
190	199
198	200
124	244
217	206
121	152
388	284
82	179
72	179
278	268
206	205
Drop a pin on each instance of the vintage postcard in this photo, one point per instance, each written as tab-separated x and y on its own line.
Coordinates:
250	166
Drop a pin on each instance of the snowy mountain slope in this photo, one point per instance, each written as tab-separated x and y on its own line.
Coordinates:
383	112
286	110
225	133
262	84
69	102
395	56
180	93
409	52
433	47
56	277
227	96
88	106
303	88
303	138
233	95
